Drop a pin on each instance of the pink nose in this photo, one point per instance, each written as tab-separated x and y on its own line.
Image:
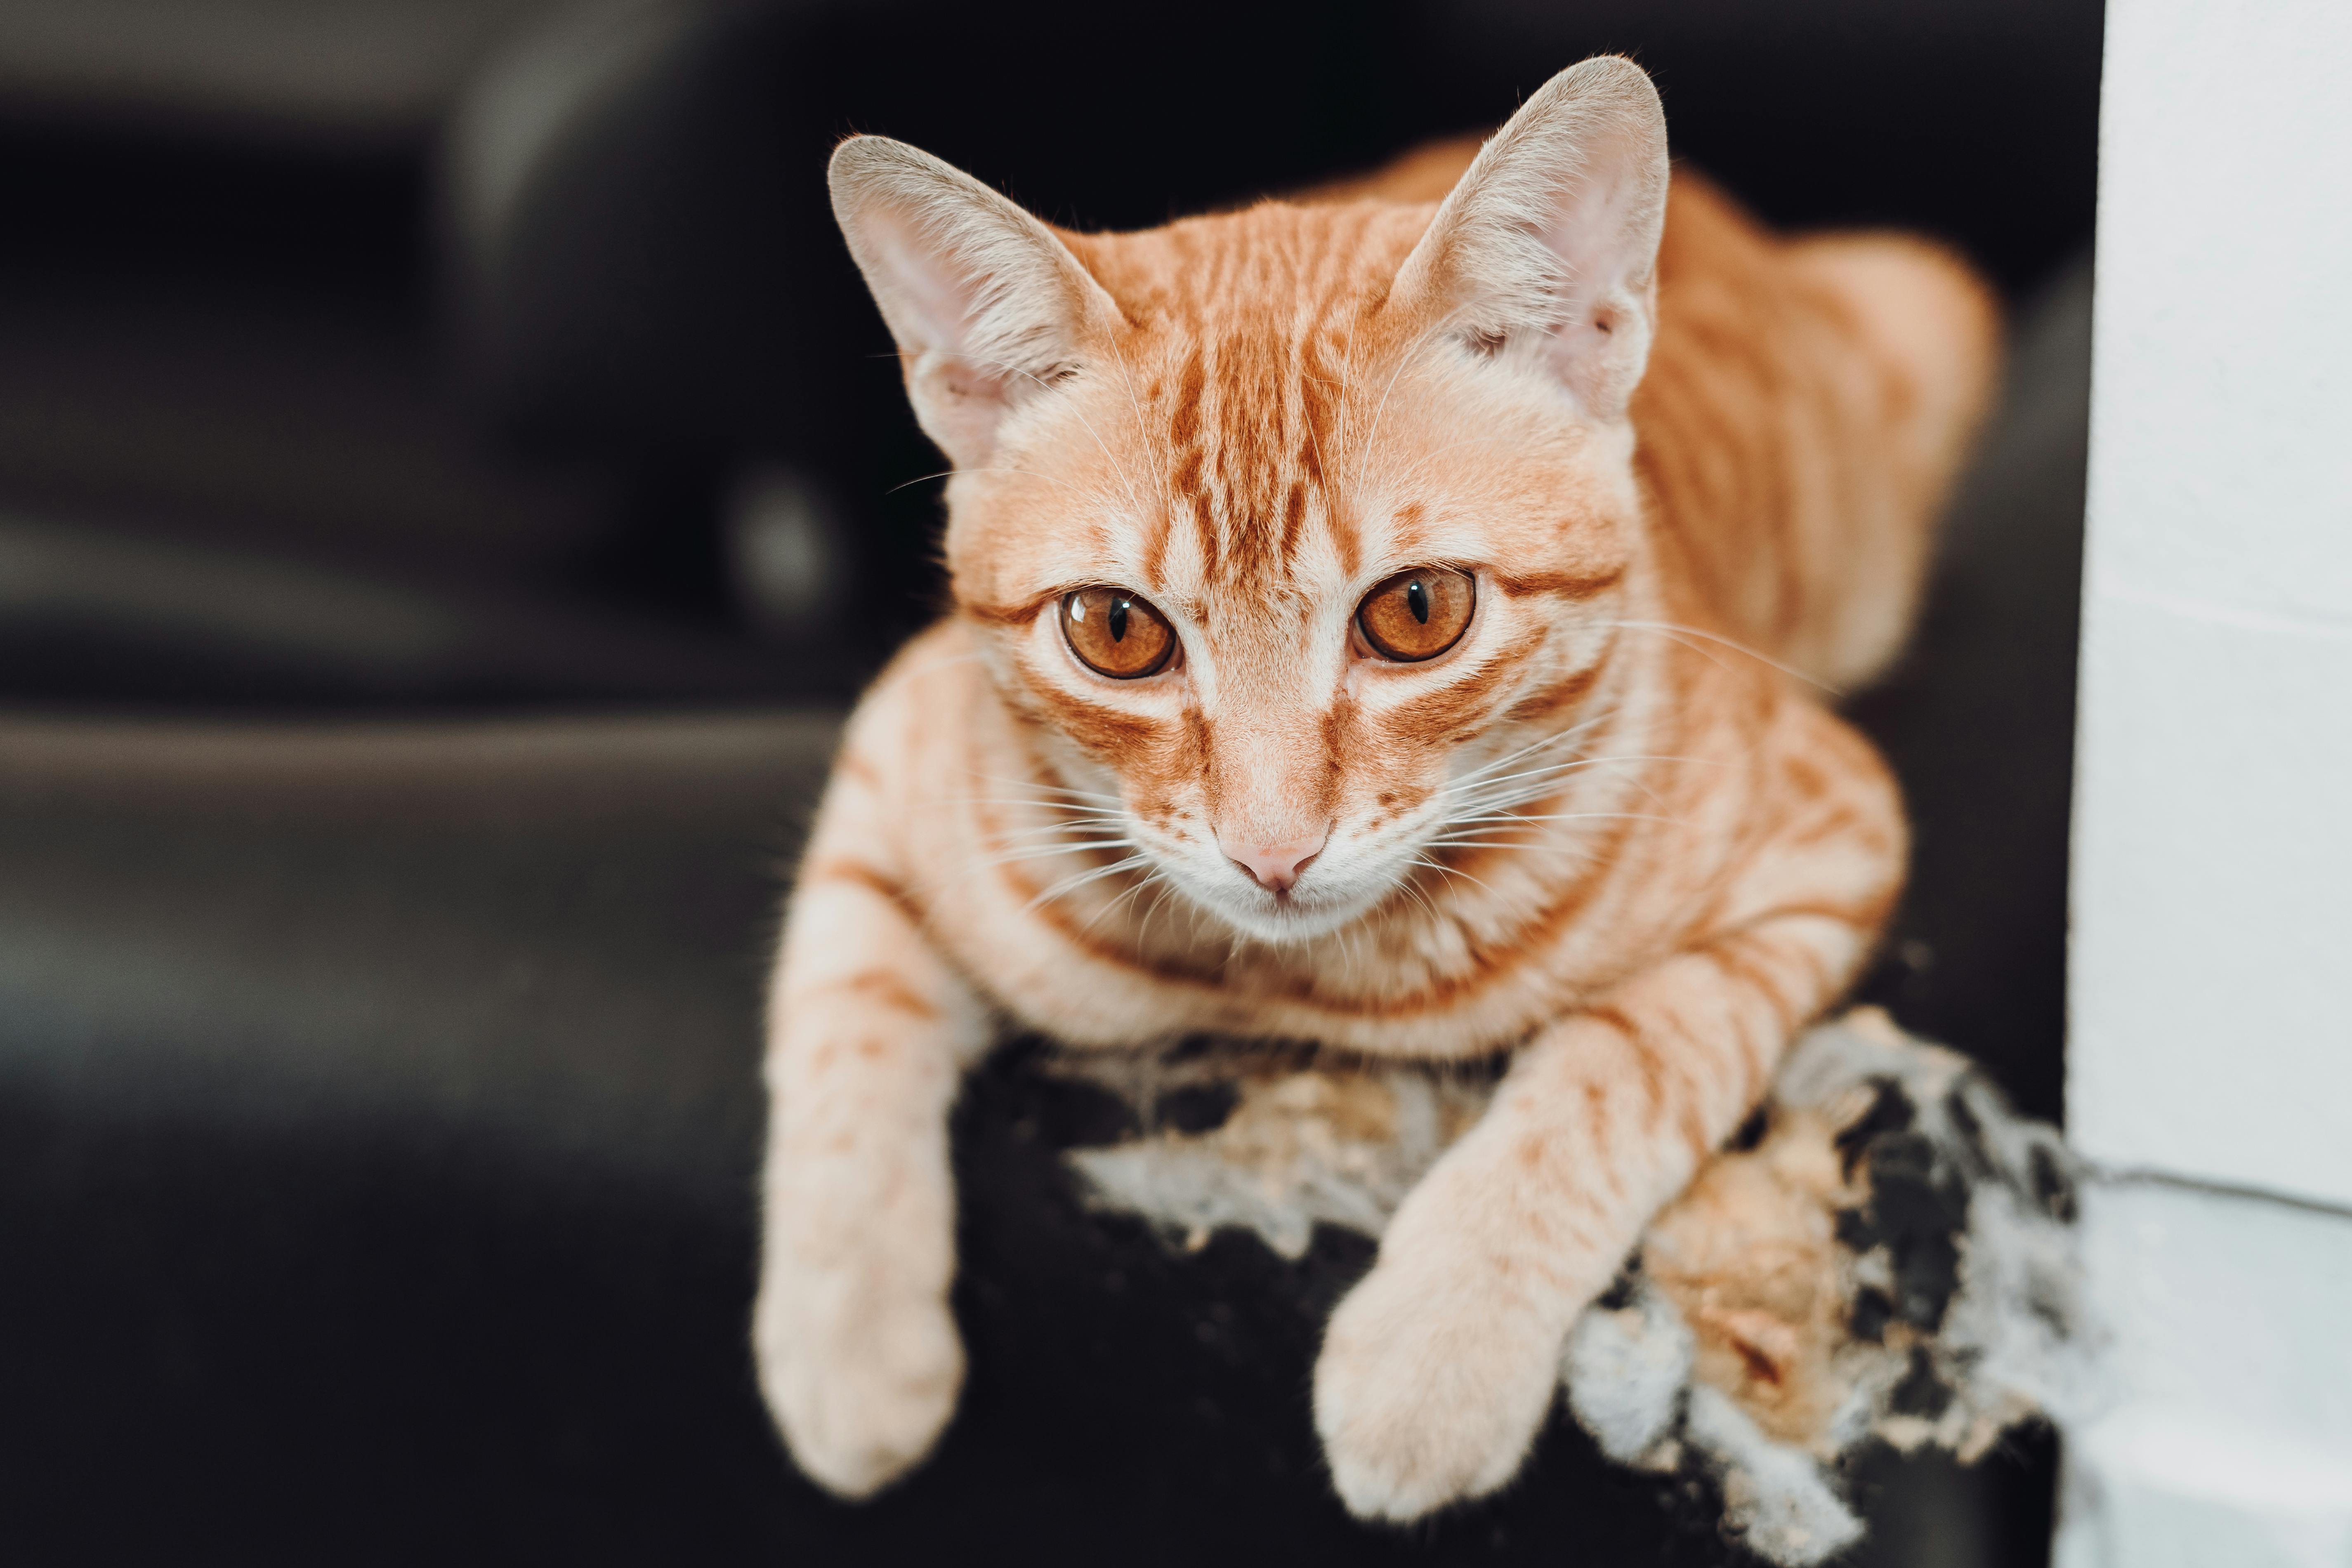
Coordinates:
1273	867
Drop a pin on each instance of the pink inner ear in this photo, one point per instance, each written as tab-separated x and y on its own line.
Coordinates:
937	296
1596	230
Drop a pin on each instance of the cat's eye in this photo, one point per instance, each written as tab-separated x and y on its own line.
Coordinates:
1417	615
1115	633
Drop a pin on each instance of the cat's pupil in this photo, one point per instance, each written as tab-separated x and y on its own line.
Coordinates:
1416	599
1118	620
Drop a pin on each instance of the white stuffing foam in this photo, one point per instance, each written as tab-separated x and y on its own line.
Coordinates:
1774	1496
1625	1370
1308	1146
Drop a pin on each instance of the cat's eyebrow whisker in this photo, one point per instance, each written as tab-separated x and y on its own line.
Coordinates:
1346	379
986	468
1412	352
1143	427
1156	440
1133	497
920	478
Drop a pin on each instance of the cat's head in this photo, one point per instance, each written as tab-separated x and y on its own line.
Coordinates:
1287	521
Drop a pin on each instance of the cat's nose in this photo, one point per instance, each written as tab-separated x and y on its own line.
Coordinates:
1273	867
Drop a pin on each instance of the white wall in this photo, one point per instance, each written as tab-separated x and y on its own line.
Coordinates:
2212	1024
2210	1037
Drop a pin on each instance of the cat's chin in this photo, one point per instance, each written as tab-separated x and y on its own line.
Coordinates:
1289	921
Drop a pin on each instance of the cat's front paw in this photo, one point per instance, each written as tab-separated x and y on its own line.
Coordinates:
860	1370
1431	1388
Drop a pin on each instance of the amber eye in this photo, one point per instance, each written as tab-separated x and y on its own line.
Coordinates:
1116	634
1417	615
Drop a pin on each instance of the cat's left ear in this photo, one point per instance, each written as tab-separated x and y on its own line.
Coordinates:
988	309
1549	242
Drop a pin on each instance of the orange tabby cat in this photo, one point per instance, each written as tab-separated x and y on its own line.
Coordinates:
1329	662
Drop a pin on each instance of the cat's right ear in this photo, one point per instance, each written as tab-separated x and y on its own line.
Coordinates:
1549	242
988	307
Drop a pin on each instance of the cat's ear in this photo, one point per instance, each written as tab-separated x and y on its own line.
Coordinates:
988	307
1549	242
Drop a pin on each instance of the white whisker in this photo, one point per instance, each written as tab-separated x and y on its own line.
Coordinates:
1021	855
986	468
1552	769
1566	816
1047	788
1405	360
1073	883
1571	733
1142	427
1669	628
1033	835
1071	815
1455	871
1134	498
1143	882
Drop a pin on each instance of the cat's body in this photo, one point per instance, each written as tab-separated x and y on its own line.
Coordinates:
1590	831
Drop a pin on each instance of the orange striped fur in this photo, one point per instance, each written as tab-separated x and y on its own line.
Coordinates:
1596	833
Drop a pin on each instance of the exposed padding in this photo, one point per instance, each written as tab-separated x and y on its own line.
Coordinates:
1886	1252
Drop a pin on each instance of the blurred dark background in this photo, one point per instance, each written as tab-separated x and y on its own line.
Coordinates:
448	471
410	352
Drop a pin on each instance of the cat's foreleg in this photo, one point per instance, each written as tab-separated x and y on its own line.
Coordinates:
868	1032
1439	1368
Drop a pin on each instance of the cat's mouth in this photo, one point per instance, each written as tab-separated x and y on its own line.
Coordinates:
1315	904
1293	916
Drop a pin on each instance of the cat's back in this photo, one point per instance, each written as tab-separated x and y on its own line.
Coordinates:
1807	408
